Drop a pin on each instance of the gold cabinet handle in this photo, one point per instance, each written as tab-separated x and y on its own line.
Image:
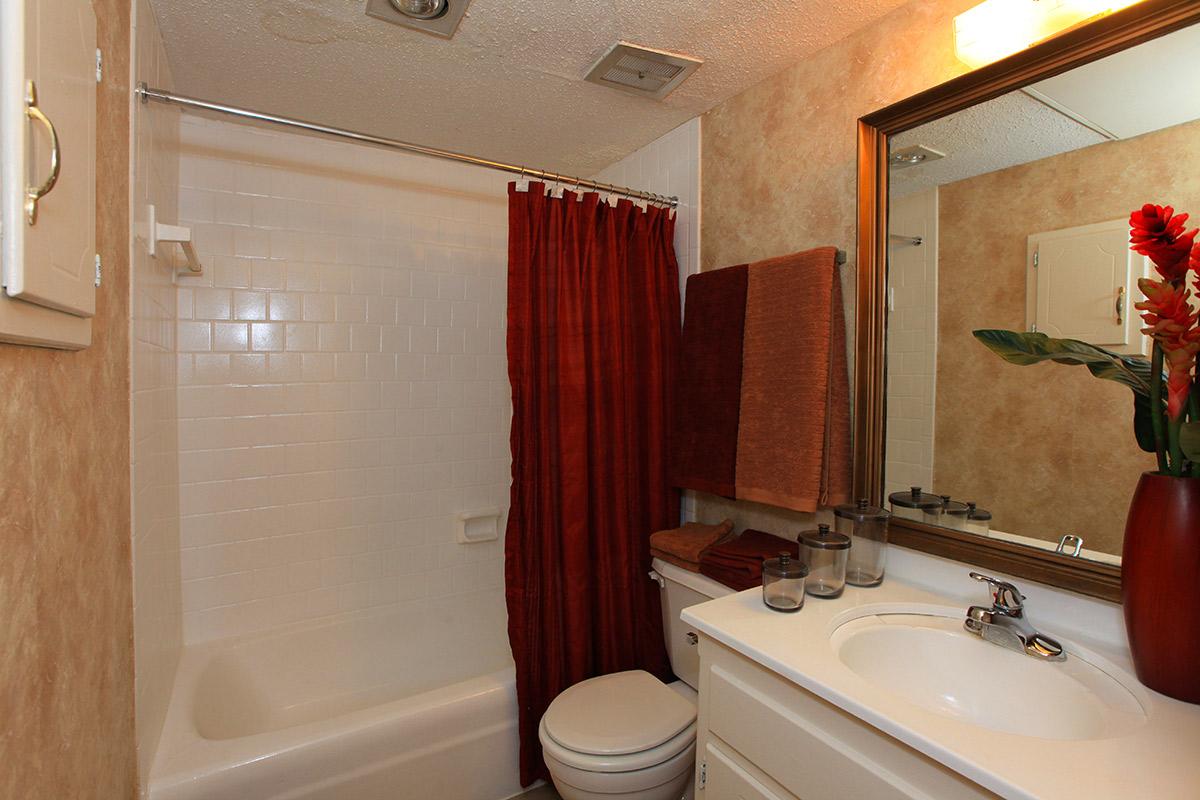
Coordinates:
1120	305
35	193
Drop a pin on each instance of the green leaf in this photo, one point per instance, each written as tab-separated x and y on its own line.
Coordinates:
1189	440
1022	349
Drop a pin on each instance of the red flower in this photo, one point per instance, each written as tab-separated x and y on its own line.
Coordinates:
1172	323
1157	232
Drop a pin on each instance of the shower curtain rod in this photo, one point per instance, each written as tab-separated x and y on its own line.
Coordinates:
146	94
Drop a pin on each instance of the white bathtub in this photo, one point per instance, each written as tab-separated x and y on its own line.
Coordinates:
385	707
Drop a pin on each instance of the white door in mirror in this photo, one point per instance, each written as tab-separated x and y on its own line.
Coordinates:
48	76
1082	283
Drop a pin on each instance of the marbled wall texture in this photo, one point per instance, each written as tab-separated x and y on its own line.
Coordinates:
1048	448
778	161
66	650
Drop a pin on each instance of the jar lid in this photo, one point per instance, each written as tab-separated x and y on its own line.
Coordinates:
824	539
953	507
861	511
785	566
915	498
977	513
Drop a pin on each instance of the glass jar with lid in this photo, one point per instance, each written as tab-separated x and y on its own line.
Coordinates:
978	520
916	505
954	513
825	553
783	582
867	527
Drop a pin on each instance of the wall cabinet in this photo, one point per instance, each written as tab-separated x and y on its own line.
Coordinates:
1082	284
49	68
761	737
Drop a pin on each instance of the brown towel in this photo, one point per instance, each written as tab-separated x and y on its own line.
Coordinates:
683	546
737	562
704	444
793	447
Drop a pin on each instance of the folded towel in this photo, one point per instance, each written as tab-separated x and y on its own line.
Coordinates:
704	441
683	546
793	442
737	562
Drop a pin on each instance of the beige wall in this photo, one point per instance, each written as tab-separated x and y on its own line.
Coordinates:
66	639
1048	449
157	615
778	161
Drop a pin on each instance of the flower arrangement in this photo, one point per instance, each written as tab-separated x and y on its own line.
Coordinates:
1157	233
1170	429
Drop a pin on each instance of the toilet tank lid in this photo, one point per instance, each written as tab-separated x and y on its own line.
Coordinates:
692	580
617	714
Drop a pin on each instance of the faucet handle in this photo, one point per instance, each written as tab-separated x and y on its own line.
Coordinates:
1006	598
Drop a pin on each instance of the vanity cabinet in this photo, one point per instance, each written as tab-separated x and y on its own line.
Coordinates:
762	737
49	269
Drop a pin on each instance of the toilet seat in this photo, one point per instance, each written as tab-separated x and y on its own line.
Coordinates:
621	722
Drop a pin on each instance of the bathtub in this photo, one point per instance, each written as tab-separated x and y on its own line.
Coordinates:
391	706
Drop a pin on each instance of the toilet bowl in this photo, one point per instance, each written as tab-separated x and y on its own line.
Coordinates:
629	736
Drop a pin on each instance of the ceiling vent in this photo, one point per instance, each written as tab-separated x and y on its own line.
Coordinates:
641	70
439	17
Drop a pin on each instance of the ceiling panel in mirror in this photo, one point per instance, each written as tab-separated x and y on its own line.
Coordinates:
1012	215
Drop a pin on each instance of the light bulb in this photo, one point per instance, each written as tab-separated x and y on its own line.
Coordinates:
420	9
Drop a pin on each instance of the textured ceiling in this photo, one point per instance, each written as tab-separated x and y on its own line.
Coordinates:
1012	129
509	85
1116	94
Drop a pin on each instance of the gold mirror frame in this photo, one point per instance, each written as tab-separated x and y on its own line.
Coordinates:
1118	31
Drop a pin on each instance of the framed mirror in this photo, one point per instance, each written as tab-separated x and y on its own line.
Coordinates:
999	201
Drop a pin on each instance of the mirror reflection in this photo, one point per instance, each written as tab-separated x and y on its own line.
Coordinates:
1014	215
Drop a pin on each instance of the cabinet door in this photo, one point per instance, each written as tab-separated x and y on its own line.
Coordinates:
48	267
1083	283
725	779
59	268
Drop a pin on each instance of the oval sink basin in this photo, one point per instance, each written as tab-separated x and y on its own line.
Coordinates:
930	661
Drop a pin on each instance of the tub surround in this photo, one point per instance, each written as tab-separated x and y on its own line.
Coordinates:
1153	759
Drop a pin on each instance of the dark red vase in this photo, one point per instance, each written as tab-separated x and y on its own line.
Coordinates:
1160	584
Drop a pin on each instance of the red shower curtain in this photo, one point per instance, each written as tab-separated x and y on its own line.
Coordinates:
593	345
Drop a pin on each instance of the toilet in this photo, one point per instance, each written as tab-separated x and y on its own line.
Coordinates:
628	735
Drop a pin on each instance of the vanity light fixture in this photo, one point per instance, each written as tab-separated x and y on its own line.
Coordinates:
998	28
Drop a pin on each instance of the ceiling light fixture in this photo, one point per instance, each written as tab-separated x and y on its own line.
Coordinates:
995	29
421	9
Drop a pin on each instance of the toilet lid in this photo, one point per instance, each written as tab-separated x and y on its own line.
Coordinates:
625	712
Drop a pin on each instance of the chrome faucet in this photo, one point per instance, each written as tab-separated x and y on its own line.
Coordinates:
1005	623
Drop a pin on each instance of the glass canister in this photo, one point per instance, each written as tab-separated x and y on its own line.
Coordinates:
825	553
954	513
916	504
783	582
867	527
978	520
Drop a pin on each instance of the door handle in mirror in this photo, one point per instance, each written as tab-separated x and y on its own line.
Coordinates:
35	193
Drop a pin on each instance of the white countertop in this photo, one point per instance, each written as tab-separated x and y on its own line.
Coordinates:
1160	760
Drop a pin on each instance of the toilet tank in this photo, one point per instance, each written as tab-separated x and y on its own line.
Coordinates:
679	589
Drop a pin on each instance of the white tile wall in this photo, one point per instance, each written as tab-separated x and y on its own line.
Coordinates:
911	344
154	448
343	378
670	165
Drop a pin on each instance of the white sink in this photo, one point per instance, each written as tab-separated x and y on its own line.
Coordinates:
929	660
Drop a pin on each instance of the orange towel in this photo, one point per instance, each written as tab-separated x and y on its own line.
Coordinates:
793	446
683	546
